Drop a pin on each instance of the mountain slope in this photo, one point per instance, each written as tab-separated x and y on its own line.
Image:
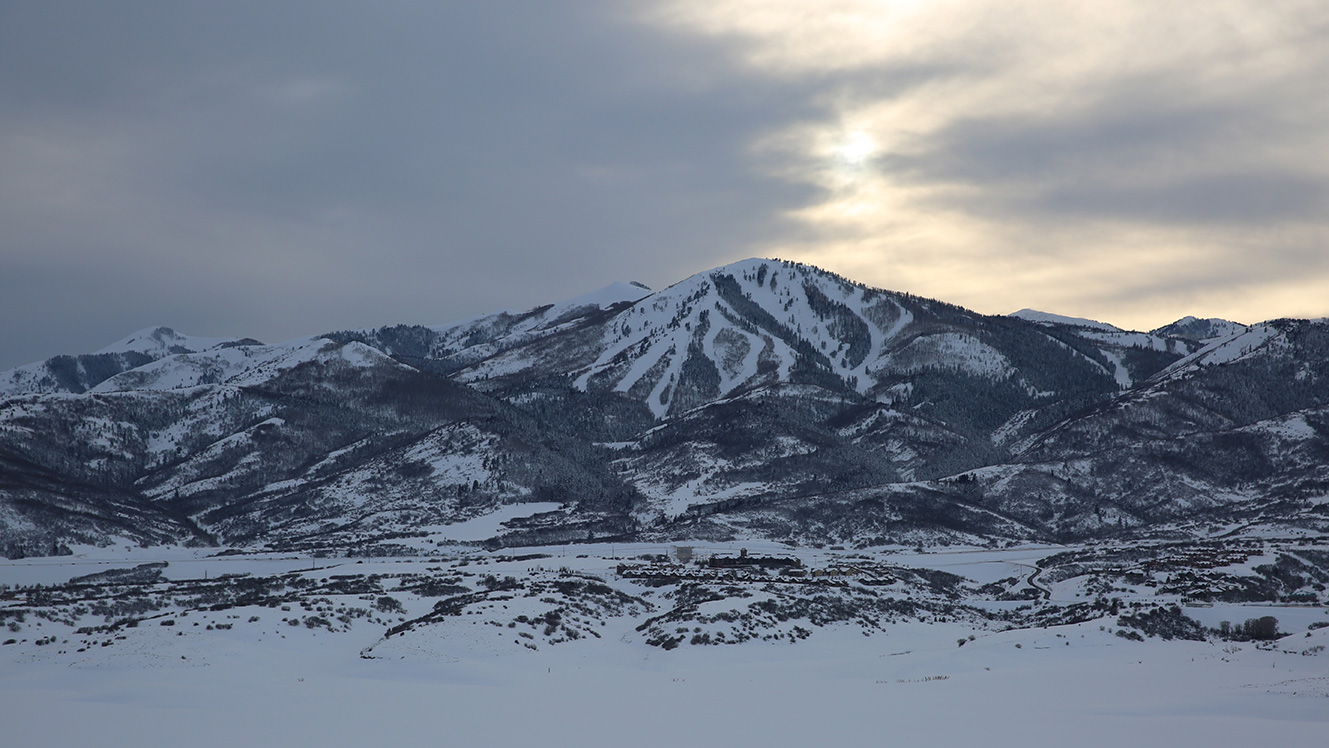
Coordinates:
1201	330
81	373
1224	434
759	399
319	438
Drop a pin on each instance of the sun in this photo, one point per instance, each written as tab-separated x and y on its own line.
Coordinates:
855	148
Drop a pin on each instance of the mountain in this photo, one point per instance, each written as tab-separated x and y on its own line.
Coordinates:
760	399
78	374
1047	318
1235	434
1201	330
324	440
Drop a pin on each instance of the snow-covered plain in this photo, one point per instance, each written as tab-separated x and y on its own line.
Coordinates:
458	682
914	685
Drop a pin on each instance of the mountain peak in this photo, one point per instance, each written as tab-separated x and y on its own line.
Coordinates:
164	341
1201	330
608	296
83	372
1047	318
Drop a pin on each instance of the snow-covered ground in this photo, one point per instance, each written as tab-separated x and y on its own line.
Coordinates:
1075	686
266	682
490	524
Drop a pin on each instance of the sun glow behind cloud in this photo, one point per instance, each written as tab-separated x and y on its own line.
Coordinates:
1133	161
855	148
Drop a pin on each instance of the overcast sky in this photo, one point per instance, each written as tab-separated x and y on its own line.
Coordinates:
274	170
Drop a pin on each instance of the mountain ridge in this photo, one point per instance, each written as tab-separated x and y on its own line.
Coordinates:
763	398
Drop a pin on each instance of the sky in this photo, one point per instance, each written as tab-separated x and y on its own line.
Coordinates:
275	170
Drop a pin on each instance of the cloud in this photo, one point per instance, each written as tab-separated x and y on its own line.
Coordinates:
275	170
1093	159
313	166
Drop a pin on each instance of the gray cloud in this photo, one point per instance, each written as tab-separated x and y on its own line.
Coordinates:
1142	152
1130	161
279	170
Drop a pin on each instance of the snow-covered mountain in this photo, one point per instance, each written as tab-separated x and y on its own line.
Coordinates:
81	373
1047	318
763	398
1201	330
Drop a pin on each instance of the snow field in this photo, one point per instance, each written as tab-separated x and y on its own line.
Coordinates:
837	689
